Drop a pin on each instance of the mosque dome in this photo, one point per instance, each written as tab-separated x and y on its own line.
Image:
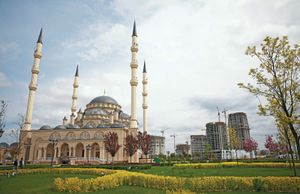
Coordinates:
45	127
104	99
117	125
60	127
102	126
88	126
70	126
95	111
15	144
4	145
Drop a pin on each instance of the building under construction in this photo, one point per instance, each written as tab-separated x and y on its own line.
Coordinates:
239	122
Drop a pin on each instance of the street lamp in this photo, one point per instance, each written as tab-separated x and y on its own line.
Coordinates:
54	142
88	148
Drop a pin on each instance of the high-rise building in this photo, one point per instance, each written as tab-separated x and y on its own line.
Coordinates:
198	143
182	149
157	145
239	122
216	134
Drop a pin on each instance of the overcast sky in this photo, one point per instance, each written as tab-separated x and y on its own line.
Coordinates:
195	54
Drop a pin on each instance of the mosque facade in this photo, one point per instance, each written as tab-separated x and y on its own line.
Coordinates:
79	139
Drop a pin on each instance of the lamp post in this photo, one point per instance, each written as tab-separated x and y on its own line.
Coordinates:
88	148
54	142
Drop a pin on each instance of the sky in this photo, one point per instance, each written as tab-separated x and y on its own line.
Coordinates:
194	50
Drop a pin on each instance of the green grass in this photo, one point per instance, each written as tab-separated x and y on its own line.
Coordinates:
235	171
43	183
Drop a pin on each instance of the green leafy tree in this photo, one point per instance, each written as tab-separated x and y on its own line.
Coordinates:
234	143
277	80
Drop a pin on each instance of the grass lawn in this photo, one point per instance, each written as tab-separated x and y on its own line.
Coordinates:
43	183
236	171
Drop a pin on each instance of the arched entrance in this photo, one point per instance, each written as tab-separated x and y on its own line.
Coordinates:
95	150
49	151
65	150
79	150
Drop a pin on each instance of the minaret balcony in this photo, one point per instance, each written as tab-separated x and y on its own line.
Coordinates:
134	49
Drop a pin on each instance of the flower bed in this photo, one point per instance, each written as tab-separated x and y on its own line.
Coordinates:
234	164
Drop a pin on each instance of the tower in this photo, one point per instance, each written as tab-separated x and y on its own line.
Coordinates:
145	94
239	122
33	84
74	97
133	82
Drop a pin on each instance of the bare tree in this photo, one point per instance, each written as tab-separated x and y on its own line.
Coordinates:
17	136
3	108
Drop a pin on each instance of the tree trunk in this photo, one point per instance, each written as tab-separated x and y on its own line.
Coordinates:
295	135
290	150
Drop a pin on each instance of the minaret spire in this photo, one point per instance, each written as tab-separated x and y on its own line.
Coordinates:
40	36
134	81
74	97
134	30
33	84
145	94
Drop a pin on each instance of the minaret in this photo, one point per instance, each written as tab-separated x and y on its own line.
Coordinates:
133	82
33	84
74	97
145	94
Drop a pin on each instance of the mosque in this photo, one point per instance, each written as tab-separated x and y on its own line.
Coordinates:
80	139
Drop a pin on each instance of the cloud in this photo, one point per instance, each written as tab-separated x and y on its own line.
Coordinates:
195	58
4	82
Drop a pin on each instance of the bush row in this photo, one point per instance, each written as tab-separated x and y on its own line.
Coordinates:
234	164
222	184
116	167
93	171
201	184
120	178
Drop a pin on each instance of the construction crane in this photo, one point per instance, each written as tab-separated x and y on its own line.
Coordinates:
225	115
174	141
163	132
218	114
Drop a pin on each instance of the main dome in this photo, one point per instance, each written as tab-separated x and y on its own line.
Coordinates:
104	99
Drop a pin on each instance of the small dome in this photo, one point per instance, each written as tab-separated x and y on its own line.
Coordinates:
95	111
102	126
45	127
70	126
116	125
104	99
124	115
15	144
60	127
88	126
4	145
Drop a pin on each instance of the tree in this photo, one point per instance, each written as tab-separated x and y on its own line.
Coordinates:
131	145
111	144
271	145
144	141
234	143
285	143
3	108
250	145
208	151
17	136
277	80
